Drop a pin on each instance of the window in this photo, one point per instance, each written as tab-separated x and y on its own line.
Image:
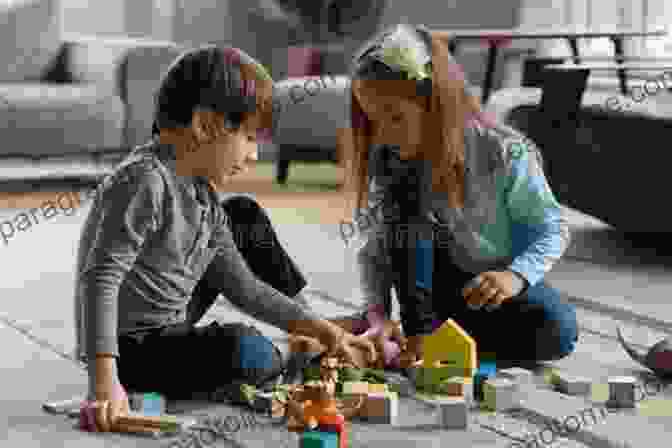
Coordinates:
642	14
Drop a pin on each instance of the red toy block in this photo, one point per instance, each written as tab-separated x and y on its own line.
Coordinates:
335	423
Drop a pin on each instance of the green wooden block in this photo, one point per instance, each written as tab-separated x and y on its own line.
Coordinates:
599	392
655	407
430	378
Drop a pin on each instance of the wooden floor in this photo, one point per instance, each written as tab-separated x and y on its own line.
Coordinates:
325	205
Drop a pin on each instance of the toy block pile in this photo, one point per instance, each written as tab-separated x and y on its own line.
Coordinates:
452	378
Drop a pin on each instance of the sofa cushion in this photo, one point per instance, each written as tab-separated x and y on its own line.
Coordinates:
310	110
44	120
29	38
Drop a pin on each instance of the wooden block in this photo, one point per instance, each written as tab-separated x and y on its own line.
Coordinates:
655	407
163	422
486	370
518	375
552	376
599	392
318	439
336	424
622	392
355	388
377	388
574	385
138	430
450	344
452	413
380	408
453	386
429	378
147	403
400	384
499	394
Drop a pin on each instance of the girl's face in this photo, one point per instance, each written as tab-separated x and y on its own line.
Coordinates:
396	116
227	155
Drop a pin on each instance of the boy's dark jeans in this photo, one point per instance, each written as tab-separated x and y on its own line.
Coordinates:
537	325
179	360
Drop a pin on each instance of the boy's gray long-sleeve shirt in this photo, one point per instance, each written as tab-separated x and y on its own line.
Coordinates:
147	241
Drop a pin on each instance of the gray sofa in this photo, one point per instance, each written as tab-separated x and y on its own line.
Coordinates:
311	110
71	106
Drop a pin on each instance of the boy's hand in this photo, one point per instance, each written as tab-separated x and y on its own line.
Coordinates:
412	356
110	394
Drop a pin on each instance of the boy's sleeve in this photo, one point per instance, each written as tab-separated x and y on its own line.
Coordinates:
131	211
540	230
242	288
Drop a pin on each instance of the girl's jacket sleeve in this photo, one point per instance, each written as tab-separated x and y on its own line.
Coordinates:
374	268
540	231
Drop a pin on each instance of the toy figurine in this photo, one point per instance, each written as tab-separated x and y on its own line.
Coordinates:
314	404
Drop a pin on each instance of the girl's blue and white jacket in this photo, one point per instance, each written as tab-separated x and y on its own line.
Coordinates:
511	219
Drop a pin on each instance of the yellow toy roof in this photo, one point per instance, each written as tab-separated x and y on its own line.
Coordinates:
450	345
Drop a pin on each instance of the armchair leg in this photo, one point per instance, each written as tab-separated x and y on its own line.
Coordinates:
282	171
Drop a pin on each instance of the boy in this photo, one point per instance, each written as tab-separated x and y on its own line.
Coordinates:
158	247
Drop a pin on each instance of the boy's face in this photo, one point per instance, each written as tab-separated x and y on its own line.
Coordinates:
228	154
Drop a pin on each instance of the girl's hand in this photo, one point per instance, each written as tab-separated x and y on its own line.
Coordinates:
491	289
385	332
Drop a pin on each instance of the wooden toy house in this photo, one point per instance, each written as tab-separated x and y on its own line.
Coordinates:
448	352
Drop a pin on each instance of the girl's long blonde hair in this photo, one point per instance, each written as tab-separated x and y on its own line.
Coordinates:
452	108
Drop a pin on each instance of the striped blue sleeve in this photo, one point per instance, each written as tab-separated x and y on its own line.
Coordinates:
540	231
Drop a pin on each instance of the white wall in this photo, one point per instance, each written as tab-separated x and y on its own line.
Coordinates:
141	18
94	16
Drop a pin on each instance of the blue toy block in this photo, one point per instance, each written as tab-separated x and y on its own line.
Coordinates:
318	439
486	369
149	403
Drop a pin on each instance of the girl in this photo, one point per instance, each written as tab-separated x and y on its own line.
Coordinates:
159	246
468	225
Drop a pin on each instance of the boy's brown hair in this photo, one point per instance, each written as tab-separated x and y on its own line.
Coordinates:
224	82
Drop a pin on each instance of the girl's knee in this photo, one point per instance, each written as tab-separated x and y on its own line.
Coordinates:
560	333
